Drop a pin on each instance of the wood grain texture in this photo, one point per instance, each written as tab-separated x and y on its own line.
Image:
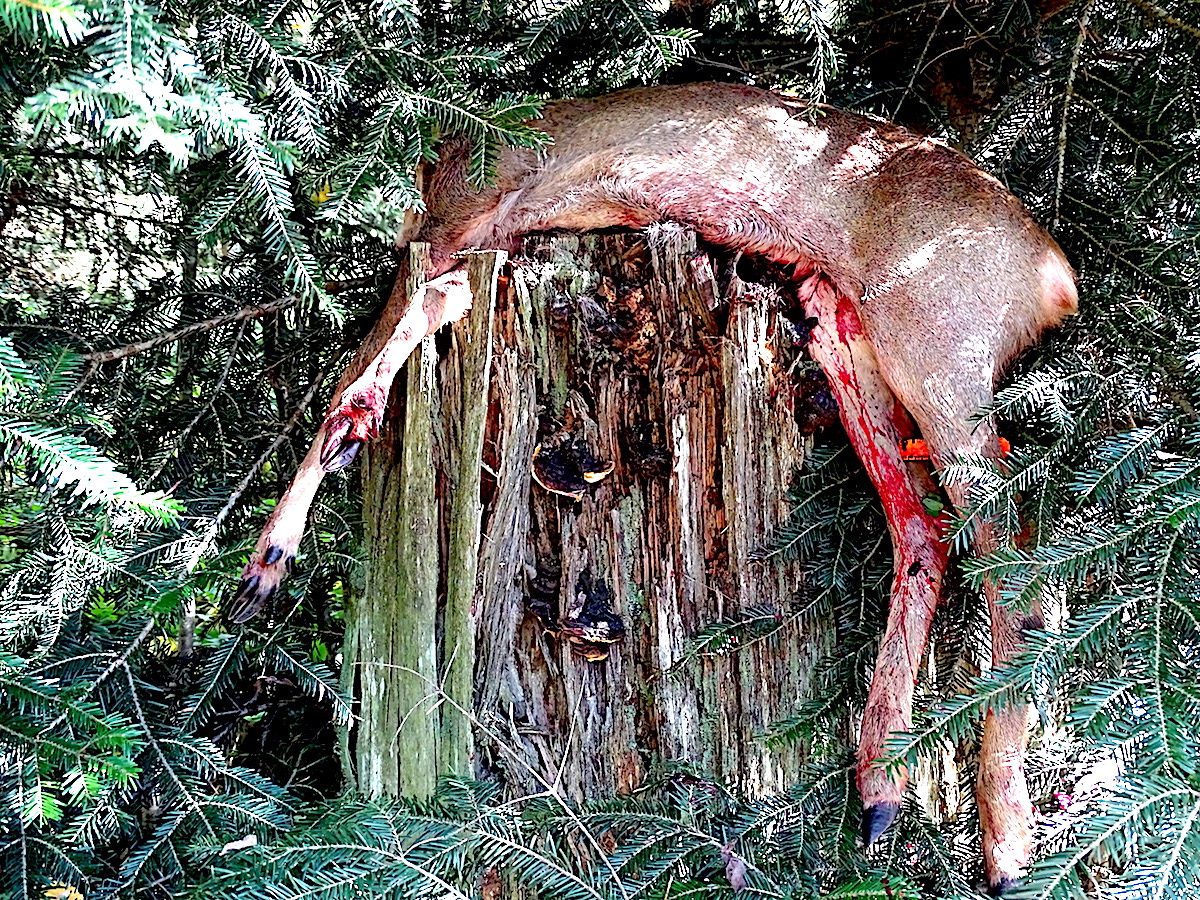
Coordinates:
633	347
466	377
391	634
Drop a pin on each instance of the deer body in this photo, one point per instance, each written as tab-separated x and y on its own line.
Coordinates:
929	246
925	276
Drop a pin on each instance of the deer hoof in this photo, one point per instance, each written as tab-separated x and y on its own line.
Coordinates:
339	453
260	582
876	820
354	422
1003	887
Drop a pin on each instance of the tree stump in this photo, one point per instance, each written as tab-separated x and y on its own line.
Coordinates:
490	598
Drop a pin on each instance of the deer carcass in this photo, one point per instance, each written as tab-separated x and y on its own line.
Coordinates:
925	277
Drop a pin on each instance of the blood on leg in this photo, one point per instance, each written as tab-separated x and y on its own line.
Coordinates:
355	413
875	422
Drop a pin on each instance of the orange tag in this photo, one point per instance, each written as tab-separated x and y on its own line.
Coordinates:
916	448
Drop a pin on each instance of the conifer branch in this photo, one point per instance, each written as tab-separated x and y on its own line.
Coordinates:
247	312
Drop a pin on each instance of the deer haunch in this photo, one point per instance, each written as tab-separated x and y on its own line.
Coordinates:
925	276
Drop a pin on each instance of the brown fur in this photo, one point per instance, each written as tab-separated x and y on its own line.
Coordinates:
951	274
926	277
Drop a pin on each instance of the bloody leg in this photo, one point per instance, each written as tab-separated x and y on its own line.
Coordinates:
353	419
875	422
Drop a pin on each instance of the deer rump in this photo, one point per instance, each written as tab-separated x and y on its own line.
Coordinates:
924	274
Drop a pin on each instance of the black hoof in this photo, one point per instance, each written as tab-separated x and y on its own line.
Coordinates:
339	454
248	602
1003	887
877	819
272	555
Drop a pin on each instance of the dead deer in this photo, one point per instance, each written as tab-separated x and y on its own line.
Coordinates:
924	274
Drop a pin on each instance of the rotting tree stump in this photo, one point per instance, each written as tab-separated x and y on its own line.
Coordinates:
486	593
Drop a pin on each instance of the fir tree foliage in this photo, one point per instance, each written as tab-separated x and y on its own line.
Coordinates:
184	169
681	836
33	403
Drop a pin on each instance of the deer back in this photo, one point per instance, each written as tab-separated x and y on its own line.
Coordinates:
949	270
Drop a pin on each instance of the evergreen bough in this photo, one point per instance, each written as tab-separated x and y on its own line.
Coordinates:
167	166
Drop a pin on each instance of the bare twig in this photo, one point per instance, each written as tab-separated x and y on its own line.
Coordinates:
1068	96
921	60
1159	13
354	284
74	156
46	202
247	312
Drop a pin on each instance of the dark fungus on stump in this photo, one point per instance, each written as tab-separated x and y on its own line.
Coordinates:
815	407
644	452
591	625
565	465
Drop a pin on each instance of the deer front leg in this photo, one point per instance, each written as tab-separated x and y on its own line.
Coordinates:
875	422
355	418
276	548
355	412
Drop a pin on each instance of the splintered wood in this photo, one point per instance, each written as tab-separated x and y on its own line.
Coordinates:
582	620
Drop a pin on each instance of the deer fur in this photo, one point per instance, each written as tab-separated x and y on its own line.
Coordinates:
925	275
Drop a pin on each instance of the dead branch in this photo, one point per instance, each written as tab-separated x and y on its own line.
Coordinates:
355	284
214	526
248	312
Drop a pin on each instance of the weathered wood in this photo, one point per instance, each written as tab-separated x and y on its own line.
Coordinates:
699	425
391	628
466	375
630	348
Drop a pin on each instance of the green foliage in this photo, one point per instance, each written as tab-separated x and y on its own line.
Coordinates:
49	21
166	166
678	837
111	775
54	458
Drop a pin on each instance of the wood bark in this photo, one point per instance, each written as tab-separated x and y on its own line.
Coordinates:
391	634
631	348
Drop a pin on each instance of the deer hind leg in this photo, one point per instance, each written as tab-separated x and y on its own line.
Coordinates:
355	412
1001	791
875	423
